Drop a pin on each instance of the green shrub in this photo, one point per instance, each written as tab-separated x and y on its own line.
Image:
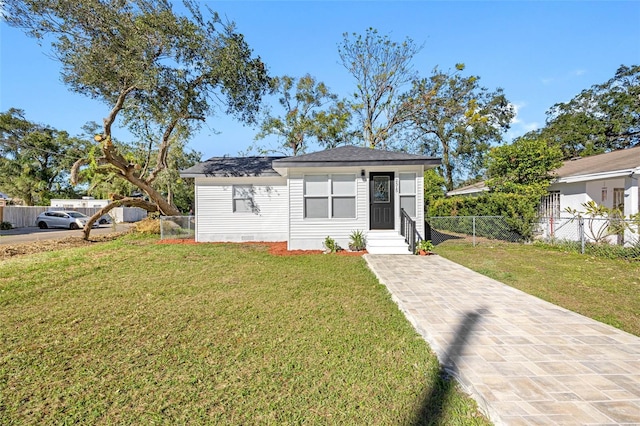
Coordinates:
358	241
5	226
331	245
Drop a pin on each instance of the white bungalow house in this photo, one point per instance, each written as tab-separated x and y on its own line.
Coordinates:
306	198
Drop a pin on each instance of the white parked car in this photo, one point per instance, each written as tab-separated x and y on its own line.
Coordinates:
63	219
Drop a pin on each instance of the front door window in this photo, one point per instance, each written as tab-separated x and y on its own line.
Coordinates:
381	189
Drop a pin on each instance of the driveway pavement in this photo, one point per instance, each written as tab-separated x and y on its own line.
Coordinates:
31	234
525	361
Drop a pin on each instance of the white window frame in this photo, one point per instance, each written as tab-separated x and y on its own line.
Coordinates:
329	195
246	195
550	205
413	194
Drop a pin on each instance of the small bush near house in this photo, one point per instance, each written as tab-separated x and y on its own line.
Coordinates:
358	241
5	226
331	245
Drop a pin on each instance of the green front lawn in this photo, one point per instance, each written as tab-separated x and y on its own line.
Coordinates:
130	331
606	290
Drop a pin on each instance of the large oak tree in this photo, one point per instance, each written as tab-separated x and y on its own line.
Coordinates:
154	67
458	119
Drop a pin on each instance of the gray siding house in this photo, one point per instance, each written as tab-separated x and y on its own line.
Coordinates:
304	199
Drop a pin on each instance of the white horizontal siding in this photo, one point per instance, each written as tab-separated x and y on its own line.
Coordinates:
420	202
216	220
308	234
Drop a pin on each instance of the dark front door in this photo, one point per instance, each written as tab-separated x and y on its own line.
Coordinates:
381	190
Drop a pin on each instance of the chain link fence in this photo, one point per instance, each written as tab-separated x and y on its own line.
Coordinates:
473	229
177	227
605	237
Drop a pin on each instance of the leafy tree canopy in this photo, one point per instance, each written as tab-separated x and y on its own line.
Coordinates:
381	68
434	186
161	72
602	118
311	114
523	167
457	119
35	159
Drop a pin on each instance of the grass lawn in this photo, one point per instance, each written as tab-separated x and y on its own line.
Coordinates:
603	289
130	331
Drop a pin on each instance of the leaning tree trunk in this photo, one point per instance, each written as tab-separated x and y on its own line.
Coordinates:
121	202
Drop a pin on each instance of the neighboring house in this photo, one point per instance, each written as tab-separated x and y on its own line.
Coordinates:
90	205
473	189
306	198
609	179
79	203
4	199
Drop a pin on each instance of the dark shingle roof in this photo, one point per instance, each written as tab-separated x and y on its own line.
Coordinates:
341	156
624	159
233	167
354	156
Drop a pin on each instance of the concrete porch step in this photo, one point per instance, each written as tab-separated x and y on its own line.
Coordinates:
386	242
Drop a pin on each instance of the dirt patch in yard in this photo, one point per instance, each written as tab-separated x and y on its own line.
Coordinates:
10	250
276	249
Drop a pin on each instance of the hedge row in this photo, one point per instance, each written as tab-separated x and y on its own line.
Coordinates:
519	212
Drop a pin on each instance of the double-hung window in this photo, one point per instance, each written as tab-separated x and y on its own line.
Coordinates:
330	196
408	193
243	199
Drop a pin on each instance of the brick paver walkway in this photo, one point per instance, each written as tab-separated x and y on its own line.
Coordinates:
526	361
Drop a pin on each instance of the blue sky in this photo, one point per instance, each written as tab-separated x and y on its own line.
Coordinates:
540	53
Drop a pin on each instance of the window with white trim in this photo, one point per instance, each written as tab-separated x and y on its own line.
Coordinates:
243	199
330	196
408	193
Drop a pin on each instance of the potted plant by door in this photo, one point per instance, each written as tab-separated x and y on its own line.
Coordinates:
358	241
424	248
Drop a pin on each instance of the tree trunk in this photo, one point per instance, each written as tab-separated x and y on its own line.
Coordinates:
122	202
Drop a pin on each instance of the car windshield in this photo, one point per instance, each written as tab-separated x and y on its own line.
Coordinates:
76	214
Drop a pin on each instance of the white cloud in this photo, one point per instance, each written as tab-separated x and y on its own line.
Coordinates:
520	126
